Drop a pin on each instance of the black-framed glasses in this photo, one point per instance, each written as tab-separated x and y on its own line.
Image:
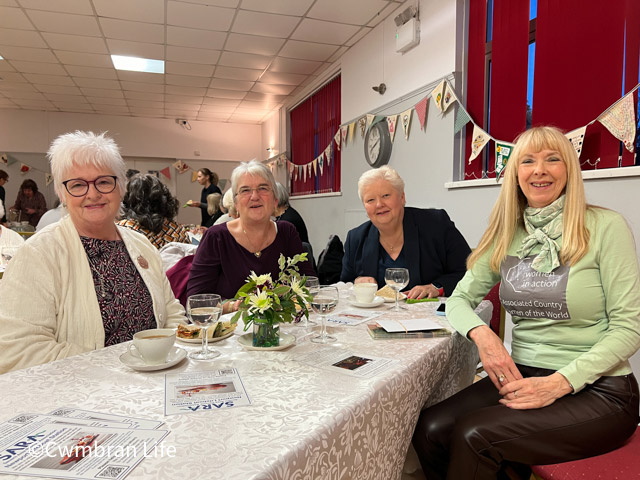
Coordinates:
78	187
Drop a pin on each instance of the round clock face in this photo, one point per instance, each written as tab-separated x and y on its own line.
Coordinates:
377	145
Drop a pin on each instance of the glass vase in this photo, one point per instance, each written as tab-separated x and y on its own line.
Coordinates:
265	334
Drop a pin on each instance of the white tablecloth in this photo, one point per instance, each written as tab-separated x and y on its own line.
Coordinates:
304	423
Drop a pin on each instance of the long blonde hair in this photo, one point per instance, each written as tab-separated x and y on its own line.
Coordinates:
508	211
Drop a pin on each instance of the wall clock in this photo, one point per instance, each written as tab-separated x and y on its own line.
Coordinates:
377	145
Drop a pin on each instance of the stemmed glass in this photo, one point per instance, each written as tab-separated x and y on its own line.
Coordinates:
397	279
313	285
204	310
325	300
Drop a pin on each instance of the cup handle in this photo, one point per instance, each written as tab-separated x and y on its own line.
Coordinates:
135	353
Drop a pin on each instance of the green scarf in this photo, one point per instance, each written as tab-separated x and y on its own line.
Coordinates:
544	226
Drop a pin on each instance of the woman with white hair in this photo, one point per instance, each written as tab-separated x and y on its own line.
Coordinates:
423	240
253	242
82	283
229	207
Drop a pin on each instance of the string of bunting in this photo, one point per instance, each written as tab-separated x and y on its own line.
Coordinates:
619	119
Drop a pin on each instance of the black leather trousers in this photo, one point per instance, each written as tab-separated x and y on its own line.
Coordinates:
472	436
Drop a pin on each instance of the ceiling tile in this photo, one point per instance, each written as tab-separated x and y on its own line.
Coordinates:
74	107
81	7
60	97
226	102
64	23
186	80
136	49
14	18
75	43
29	95
142	87
89	72
145	104
35	103
97	83
267	46
323	32
134	31
189	100
139	77
16	86
106	101
357	12
212	116
230	84
307	50
156	97
247	104
33	67
59	89
338	54
360	34
168	106
111	110
237	73
265	97
21	38
264	24
182	90
218	93
85	59
217	108
286	7
199	16
384	13
194	69
15	77
190	37
275	89
192	55
9	3
101	92
282	78
291	65
150	11
245	60
147	112
217	3
27	54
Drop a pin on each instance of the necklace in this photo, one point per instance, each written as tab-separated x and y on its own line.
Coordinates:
256	252
391	246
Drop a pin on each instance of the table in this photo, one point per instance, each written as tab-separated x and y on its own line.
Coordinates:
304	423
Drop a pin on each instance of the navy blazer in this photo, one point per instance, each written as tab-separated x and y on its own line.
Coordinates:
434	249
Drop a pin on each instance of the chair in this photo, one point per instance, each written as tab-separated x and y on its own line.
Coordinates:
622	463
330	261
309	249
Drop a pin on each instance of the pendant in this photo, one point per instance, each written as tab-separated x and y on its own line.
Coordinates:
257	254
143	262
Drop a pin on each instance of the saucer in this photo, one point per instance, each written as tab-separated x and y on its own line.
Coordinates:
199	340
286	340
175	356
377	301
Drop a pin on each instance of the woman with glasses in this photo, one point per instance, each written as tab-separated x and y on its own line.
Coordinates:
82	283
253	242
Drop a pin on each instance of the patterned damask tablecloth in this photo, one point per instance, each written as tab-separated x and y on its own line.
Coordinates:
304	422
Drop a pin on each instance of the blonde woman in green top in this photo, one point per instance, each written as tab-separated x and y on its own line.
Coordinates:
569	278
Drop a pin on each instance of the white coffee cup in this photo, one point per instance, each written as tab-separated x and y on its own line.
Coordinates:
365	292
153	346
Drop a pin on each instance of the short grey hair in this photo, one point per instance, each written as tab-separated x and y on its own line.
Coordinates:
383	173
85	149
282	196
256	168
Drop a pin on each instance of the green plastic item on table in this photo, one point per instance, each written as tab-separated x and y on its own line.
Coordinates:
415	300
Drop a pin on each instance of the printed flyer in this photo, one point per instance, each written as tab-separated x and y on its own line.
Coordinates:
349	363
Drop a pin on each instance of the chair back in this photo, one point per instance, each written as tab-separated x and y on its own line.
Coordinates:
309	249
330	261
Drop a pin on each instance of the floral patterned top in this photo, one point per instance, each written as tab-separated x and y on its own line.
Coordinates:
125	302
171	232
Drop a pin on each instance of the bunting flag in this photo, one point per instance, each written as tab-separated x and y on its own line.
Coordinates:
405	118
336	138
48	178
462	118
321	164
377	119
180	166
222	183
194	176
391	123
10	160
166	172
344	130
327	153
619	120
304	173
291	167
352	131
421	111
479	139
315	167
503	152
370	117
24	168
362	123
576	137
437	95
4	158
449	97
295	173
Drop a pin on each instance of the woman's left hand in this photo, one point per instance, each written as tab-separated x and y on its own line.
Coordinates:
534	392
422	291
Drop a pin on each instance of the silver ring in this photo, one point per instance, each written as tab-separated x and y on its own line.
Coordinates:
501	378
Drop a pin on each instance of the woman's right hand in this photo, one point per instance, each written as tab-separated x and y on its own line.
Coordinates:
495	358
365	280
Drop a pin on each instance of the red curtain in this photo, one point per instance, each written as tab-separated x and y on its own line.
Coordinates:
314	123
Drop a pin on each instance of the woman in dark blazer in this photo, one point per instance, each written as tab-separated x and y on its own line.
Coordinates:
425	241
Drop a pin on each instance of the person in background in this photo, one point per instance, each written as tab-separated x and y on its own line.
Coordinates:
229	252
149	208
52	216
425	241
286	212
82	283
30	202
4	178
213	208
209	182
570	280
227	204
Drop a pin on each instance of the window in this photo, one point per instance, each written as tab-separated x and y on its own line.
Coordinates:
314	124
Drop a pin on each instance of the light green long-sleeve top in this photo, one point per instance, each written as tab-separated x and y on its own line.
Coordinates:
602	299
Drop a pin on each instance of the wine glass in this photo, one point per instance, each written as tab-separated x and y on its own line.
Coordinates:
313	285
204	310
325	300
397	279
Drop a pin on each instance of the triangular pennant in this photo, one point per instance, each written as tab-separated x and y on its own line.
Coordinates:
421	111
449	97
194	176
352	131
438	94
180	166
344	130
462	118
619	120
48	178
405	118
321	164
24	168
362	123
336	138
328	150
315	167
291	166
391	122
478	141
304	173
166	172
576	137
10	160
310	167
4	158
222	183
377	119
370	117
296	172
503	152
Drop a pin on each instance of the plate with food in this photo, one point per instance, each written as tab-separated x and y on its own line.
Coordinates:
389	294
193	333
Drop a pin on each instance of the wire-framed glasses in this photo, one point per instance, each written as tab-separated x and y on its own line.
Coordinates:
78	187
261	190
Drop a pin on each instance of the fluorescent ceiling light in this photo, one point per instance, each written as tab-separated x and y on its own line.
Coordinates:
137	64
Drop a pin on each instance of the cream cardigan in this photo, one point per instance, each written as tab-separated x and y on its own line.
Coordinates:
48	304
